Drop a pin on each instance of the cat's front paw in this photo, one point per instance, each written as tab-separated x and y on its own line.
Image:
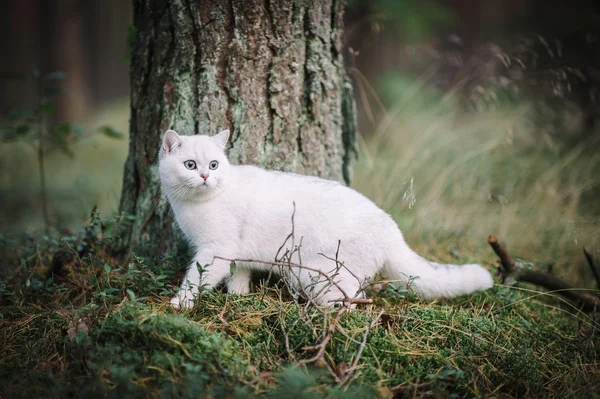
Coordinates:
183	301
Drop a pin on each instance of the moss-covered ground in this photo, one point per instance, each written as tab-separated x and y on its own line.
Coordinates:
101	328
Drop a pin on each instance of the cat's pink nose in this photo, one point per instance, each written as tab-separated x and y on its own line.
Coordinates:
204	176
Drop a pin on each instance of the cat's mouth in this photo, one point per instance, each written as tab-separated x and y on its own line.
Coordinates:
204	186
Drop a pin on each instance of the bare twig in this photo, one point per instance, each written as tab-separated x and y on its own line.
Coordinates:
286	338
41	155
291	235
588	334
401	390
349	371
290	265
593	266
353	301
594	320
338	262
287	253
506	262
321	346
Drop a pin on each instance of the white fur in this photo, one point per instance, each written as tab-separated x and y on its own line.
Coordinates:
244	212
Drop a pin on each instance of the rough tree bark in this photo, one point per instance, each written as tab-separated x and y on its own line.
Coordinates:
271	71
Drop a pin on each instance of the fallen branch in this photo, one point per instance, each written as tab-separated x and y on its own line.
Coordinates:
510	273
593	266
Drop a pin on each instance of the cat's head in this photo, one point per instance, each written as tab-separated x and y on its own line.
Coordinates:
193	167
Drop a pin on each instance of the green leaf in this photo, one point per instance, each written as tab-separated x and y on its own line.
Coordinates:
201	268
63	128
107	268
81	338
60	138
48	106
232	268
110	132
131	294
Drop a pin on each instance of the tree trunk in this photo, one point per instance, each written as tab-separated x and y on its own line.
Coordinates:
271	71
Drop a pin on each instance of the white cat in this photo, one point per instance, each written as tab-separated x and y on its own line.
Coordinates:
244	212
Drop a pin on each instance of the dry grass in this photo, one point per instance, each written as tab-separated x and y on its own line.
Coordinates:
451	178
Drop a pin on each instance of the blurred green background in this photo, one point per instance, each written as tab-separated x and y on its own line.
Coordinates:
475	118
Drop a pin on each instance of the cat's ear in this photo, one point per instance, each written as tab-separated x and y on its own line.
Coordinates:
221	139
171	141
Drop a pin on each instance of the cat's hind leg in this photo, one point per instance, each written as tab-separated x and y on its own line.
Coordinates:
239	282
332	290
346	287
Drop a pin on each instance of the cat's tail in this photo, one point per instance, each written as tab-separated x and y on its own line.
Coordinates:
433	280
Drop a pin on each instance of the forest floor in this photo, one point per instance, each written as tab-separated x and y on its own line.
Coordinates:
104	328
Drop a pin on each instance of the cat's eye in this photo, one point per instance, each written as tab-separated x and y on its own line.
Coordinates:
190	164
213	165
